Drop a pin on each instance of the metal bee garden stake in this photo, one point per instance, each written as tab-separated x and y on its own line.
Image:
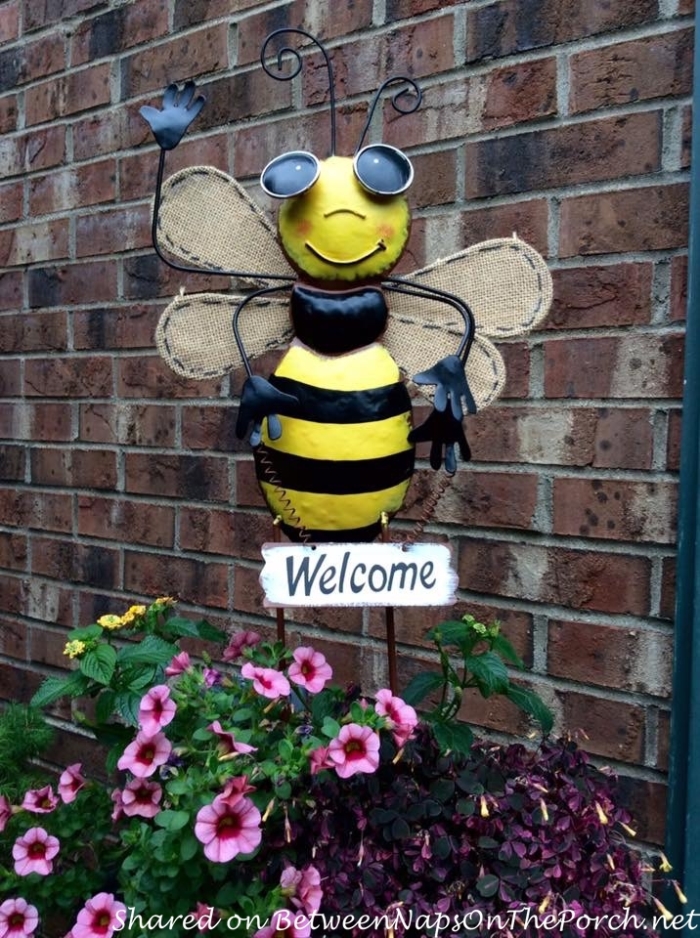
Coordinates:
331	428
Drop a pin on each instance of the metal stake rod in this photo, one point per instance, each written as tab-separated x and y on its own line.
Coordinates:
279	611
390	628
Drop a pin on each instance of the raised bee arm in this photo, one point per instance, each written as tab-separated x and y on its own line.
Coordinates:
444	428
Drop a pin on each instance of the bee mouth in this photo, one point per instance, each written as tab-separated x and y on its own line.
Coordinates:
377	249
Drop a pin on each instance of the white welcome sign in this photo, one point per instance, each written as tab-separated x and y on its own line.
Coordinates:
379	574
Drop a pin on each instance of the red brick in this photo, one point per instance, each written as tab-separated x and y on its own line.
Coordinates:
9	20
579	153
664	740
624	439
673	452
11	289
193	12
11	598
68	377
47	647
631	366
249	597
41	422
12	156
515	94
49	511
204	583
687	137
10	377
99	134
8	113
247	489
529	220
653	218
119	29
631	659
122	229
12	463
179	58
238	534
436	179
45	147
70	188
145	376
128	424
639	70
516	356
68	94
207	427
646	800
137	173
74	468
11	201
131	522
444	114
200	478
667	603
13	552
14	639
31	60
679	289
39	13
147	277
76	562
612	728
94	282
34	243
115	327
612	583
36	332
591	297
18	684
513	26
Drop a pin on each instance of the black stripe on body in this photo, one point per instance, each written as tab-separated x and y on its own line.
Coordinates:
322	405
331	477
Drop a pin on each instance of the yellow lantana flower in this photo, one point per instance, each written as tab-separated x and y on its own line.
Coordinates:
110	622
165	601
75	648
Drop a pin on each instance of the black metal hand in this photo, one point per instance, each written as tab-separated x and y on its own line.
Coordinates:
452	386
258	400
444	430
179	110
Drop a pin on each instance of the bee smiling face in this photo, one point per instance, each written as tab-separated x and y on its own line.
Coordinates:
343	219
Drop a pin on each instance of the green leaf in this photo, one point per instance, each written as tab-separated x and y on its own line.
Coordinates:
127	703
487	886
533	705
104	708
189	845
99	663
151	650
421	686
330	728
453	737
53	688
85	634
454	633
323	705
489	672
502	647
172	820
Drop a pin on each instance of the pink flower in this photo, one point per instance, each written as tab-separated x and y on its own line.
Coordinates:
318	760
212	677
34	851
234	789
207	918
310	669
145	754
18	919
100	917
402	717
118	812
289	923
5	812
227	742
40	800
239	642
266	681
227	828
303	888
179	664
156	709
141	798
354	749
70	783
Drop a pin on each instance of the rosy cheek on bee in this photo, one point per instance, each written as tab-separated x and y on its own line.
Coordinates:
386	231
304	228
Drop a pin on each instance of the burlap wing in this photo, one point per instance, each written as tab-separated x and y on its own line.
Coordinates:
195	336
208	220
507	286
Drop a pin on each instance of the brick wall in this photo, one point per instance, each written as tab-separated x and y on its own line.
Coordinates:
567	122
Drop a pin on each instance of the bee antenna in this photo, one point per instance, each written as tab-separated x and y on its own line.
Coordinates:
405	101
287	51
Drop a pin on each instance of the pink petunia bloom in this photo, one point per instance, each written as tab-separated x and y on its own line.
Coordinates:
116	797
403	719
100	917
310	669
266	681
5	812
145	754
40	800
239	642
34	851
286	923
141	798
318	760
179	664
18	919
303	888
235	789
156	709
70	783
207	918
228	743
212	677
227	829
354	749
